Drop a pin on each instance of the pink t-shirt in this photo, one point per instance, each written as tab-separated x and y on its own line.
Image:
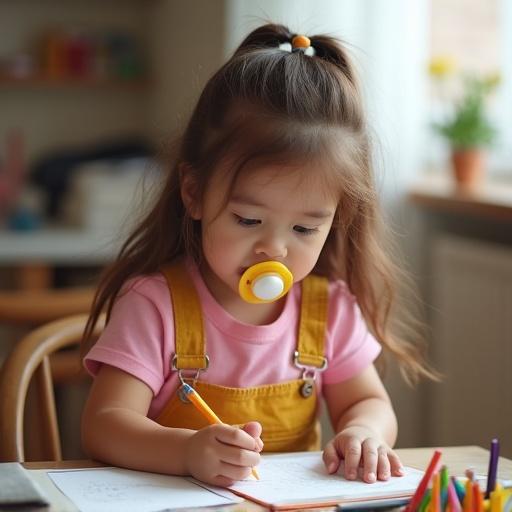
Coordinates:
139	339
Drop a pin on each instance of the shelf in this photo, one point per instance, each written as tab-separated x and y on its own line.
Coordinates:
57	246
73	83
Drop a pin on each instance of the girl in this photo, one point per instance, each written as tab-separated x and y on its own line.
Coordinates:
274	166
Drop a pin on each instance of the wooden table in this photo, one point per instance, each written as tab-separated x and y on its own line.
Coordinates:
456	458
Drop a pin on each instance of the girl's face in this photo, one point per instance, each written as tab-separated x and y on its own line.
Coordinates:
273	213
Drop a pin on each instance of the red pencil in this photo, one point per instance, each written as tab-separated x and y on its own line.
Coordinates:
420	491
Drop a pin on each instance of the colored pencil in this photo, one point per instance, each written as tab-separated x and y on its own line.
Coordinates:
444	486
435	502
478	498
205	410
459	488
425	502
453	499
497	501
467	504
493	467
420	491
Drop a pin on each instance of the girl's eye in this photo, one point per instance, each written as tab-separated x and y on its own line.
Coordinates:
246	222
305	231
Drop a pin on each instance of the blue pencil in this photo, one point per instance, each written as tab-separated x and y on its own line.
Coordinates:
493	467
459	489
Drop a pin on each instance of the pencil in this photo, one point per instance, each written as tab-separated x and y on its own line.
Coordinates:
444	486
435	502
453	499
467	504
478	498
205	410
420	491
493	467
425	502
459	489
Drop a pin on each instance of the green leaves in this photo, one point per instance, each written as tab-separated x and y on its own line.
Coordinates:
468	125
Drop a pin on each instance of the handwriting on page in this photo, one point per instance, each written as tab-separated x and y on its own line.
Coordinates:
302	477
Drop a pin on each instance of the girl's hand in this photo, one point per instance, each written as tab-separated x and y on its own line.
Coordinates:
221	454
359	446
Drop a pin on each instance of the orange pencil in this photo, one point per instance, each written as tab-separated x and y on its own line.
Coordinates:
435	502
467	504
478	498
205	410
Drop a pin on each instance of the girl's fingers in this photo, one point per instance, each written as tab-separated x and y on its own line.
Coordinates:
234	436
239	457
396	465
253	428
331	458
370	460
234	472
383	464
352	454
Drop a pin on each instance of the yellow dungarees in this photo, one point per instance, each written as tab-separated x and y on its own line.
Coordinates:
287	410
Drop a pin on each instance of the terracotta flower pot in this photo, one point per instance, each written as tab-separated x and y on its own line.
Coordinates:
468	165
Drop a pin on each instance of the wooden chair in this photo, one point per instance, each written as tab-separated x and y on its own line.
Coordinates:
30	359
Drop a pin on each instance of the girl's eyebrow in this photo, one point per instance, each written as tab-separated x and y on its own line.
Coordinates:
315	214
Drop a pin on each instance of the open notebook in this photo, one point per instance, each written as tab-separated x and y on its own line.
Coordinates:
299	480
287	481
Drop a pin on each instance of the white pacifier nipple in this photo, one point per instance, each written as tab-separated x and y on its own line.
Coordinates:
265	282
268	287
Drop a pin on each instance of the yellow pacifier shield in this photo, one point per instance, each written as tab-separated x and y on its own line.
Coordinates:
265	282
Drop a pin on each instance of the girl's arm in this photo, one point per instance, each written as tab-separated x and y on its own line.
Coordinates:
365	426
116	430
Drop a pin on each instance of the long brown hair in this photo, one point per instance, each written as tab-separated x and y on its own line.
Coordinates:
268	103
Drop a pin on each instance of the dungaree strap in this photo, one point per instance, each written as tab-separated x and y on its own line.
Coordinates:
313	322
188	320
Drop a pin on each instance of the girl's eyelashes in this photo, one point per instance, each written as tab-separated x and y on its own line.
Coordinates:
247	222
243	221
305	231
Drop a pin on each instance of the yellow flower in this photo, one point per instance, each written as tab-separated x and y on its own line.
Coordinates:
493	80
442	66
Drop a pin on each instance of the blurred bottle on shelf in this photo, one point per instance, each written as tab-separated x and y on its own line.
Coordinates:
19	206
76	53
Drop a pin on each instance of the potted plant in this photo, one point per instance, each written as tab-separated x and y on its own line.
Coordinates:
465	125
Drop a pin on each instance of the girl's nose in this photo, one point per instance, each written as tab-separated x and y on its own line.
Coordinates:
272	248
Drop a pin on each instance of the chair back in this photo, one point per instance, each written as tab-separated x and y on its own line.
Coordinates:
30	359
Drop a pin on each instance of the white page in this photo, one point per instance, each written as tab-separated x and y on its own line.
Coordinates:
123	490
302	478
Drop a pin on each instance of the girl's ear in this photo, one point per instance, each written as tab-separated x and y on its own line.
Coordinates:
190	191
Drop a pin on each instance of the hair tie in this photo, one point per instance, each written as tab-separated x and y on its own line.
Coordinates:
303	44
299	44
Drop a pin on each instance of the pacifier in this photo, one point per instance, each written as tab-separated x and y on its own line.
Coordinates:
265	282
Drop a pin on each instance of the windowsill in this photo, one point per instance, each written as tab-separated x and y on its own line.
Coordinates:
437	192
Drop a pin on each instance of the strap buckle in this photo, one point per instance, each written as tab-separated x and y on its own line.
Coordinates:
193	373
309	371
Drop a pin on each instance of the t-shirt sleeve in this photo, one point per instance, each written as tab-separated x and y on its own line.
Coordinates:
351	347
132	340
